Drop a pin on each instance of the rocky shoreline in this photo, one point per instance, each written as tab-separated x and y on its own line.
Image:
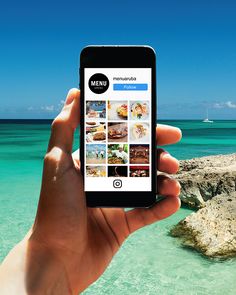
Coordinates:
209	184
203	178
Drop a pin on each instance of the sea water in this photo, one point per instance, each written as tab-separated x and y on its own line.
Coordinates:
150	262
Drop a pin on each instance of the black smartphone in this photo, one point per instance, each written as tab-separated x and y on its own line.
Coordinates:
118	125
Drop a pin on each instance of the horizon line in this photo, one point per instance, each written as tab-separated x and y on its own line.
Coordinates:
162	119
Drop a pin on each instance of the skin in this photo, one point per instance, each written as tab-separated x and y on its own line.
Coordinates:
69	245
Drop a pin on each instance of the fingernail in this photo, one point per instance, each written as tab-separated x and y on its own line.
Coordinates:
70	97
166	155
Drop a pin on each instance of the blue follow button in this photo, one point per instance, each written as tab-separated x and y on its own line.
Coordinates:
130	87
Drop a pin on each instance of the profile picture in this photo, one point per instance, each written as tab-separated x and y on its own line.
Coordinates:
139	171
117	171
98	83
139	110
117	109
95	153
117	132
139	154
96	171
95	109
117	153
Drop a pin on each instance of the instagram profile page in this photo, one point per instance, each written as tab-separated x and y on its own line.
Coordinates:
117	129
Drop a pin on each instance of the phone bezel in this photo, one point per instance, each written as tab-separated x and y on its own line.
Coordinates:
120	57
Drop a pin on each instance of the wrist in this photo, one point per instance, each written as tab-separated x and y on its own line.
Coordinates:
45	272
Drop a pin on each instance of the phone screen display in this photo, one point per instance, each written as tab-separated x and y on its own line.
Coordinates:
117	129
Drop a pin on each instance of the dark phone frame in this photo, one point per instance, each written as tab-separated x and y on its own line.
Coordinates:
120	57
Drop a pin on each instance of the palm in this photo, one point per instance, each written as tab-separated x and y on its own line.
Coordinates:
105	239
86	239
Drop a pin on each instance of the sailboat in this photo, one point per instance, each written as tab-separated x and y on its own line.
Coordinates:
207	120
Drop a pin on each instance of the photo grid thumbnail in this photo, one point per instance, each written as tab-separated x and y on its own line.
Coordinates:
117	134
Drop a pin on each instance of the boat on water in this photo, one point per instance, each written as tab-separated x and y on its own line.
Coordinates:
207	119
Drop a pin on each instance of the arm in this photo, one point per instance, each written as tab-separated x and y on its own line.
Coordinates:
45	276
70	245
12	271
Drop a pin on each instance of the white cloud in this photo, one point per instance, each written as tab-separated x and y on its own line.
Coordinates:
228	104
217	105
49	108
231	105
60	105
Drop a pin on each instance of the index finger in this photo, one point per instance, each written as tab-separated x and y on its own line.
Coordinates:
64	125
166	134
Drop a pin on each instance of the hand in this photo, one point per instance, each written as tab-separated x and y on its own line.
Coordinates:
74	244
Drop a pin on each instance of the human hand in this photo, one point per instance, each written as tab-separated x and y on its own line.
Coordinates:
70	243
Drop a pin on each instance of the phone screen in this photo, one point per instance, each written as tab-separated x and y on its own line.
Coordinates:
117	129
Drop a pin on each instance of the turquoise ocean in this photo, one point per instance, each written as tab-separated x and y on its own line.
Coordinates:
150	262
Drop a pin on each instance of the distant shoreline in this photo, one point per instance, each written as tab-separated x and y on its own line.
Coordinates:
49	121
26	121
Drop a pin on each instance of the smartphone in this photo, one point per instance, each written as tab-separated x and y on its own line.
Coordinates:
118	125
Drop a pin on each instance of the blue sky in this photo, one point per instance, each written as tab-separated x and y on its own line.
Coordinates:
195	43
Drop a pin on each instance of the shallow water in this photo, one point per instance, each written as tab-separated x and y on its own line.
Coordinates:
204	139
150	261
